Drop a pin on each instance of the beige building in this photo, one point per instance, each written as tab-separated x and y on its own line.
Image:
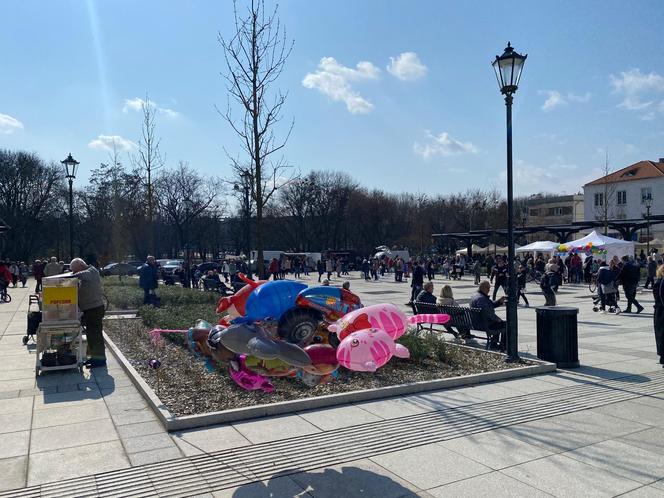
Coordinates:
554	210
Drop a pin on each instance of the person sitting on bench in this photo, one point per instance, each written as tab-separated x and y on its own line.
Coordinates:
426	295
488	307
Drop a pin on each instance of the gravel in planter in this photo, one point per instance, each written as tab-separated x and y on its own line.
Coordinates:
187	387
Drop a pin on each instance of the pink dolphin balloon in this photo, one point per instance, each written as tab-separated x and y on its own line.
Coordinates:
369	349
385	317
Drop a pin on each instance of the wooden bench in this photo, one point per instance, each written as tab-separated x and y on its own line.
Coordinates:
462	321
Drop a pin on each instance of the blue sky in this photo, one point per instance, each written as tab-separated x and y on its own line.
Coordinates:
421	113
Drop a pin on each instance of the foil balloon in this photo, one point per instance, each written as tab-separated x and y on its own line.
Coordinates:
386	317
252	340
246	379
323	359
270	301
270	368
332	302
234	306
369	349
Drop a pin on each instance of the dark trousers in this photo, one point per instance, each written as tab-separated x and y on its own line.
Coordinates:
649	280
522	294
497	330
93	325
38	287
499	283
550	298
147	296
659	332
415	292
630	295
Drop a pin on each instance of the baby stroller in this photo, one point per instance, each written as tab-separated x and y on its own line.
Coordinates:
611	297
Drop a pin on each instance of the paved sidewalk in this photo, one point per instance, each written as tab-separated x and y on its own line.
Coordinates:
66	425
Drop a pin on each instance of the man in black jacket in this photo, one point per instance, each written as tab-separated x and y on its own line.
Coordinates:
416	282
629	277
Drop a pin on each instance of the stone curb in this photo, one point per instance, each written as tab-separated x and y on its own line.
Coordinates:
174	423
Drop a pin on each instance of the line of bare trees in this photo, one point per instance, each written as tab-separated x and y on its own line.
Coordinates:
319	211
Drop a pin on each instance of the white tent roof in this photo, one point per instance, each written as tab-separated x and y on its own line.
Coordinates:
539	246
600	241
613	247
476	249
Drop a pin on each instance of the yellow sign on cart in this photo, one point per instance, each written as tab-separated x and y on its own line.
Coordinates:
60	295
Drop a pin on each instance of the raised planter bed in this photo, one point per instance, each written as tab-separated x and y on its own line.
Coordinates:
191	396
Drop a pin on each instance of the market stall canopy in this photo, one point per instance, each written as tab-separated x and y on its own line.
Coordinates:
659	243
613	247
476	249
540	246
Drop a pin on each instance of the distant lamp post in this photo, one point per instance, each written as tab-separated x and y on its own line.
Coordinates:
647	200
508	68
70	164
246	185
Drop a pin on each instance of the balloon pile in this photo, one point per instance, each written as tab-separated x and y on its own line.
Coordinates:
286	329
588	250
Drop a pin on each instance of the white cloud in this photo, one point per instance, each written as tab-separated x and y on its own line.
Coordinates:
407	67
137	103
334	80
634	82
639	92
443	145
105	142
9	124
556	99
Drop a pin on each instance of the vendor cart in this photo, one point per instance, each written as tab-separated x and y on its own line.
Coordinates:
59	335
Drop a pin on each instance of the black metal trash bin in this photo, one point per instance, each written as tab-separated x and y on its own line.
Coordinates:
557	335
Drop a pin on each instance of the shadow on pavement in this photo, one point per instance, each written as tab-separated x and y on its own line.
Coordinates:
347	481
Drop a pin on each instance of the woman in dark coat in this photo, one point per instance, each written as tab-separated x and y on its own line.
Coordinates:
658	293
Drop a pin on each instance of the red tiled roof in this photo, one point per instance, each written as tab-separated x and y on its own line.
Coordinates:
637	171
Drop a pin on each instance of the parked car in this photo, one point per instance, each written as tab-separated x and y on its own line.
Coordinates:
170	266
136	264
118	269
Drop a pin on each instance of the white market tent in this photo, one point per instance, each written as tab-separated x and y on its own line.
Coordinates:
541	246
613	247
476	249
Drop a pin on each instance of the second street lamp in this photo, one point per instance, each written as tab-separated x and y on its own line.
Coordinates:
508	68
70	164
647	200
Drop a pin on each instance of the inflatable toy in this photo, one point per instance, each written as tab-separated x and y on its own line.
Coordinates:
246	379
369	349
385	317
270	301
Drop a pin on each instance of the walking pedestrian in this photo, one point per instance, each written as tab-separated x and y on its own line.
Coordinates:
38	273
499	276
23	273
13	269
521	283
320	267
651	269
417	282
629	276
658	293
147	280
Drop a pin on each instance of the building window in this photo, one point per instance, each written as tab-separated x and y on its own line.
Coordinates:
622	197
646	193
534	212
599	199
558	211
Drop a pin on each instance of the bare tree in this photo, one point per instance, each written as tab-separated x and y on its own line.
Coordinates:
148	159
255	57
604	210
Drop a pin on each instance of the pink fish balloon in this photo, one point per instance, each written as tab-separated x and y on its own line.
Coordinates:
369	349
385	317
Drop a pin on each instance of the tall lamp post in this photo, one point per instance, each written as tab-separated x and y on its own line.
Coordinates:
70	164
246	182
647	200
508	68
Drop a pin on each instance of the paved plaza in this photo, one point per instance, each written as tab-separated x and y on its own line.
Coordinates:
591	431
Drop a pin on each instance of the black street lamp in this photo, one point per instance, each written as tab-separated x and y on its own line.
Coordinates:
70	164
647	200
508	68
246	185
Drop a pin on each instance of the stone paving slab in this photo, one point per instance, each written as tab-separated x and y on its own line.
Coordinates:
611	347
